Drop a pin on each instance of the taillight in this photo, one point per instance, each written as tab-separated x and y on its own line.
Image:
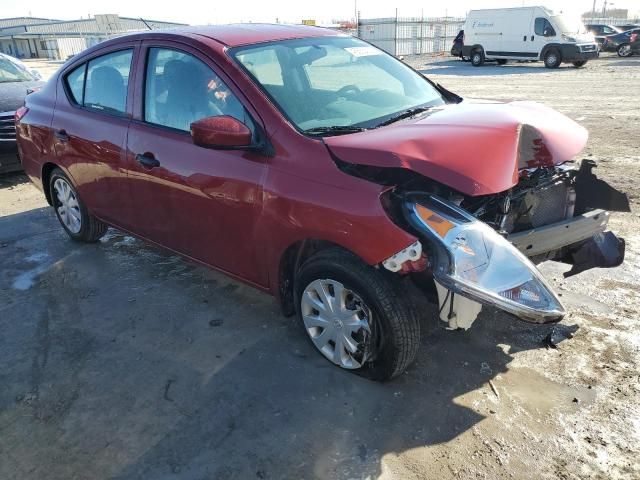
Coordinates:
20	113
634	37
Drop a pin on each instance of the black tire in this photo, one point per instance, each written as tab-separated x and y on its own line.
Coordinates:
580	63
477	57
91	229
395	332
552	58
624	50
502	61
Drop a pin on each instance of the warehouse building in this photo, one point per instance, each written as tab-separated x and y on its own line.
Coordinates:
28	37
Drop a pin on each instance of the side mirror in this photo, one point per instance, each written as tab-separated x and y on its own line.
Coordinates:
222	132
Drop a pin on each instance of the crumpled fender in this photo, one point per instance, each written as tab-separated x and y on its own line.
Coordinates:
475	148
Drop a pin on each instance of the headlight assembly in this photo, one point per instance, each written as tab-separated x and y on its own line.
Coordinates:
472	259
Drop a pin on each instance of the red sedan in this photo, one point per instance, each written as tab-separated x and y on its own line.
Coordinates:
318	168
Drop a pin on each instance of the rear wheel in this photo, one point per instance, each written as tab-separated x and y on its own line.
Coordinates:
580	63
355	316
624	50
71	212
477	58
552	58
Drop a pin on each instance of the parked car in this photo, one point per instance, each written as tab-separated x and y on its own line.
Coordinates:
458	43
600	31
320	169
526	33
16	80
634	44
619	42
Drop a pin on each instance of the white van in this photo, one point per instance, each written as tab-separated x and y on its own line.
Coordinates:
526	33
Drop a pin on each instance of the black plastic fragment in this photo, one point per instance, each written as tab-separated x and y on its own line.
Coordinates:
603	250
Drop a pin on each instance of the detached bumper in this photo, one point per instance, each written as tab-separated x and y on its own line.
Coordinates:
581	241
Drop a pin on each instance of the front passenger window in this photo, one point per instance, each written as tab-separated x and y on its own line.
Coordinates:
543	28
107	80
180	89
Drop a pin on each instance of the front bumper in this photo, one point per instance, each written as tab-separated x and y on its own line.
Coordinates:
580	52
9	160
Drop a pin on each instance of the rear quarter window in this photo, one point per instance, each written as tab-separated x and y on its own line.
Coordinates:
75	84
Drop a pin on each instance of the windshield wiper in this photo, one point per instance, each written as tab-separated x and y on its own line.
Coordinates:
334	130
410	112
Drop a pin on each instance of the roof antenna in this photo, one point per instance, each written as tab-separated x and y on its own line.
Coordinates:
143	21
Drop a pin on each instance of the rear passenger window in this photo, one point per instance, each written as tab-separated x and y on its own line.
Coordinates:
107	79
75	81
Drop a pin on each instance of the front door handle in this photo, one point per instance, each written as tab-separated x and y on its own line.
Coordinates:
532	38
62	135
147	160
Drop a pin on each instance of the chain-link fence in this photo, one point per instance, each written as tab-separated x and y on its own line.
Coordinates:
410	36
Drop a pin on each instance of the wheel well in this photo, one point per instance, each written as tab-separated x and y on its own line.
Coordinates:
47	168
550	47
290	262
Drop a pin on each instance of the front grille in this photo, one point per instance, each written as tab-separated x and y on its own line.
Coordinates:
7	127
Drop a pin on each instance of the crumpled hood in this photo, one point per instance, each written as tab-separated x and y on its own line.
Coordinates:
476	148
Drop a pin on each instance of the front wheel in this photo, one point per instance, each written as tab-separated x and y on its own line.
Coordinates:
624	50
79	224
580	63
355	316
552	59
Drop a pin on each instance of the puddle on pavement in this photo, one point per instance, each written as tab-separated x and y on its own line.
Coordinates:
536	392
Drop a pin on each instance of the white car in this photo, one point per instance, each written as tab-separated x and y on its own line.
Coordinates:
526	33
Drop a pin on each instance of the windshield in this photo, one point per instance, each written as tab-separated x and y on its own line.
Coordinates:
13	72
569	25
328	82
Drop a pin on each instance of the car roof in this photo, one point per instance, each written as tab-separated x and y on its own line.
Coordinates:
234	35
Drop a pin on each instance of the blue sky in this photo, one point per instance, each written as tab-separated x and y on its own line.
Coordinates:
202	12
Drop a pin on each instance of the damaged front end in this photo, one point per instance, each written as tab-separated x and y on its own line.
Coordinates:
490	191
483	250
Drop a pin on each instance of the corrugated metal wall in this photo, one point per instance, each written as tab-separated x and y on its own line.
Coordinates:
410	36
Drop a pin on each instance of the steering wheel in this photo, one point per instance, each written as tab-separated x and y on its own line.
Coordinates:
348	90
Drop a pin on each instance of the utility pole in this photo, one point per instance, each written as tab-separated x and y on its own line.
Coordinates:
593	10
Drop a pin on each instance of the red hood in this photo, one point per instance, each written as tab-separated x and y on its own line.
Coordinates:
475	148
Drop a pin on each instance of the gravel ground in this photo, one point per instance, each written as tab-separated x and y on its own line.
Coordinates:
119	360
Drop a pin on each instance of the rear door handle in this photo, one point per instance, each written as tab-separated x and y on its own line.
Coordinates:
147	160
524	39
62	135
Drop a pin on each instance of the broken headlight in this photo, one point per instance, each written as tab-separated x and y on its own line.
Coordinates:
472	259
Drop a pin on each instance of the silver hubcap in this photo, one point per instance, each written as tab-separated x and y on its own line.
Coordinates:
552	59
625	50
337	320
68	208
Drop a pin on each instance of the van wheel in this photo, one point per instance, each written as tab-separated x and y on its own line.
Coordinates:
71	211
477	58
580	63
552	58
501	61
624	50
356	316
